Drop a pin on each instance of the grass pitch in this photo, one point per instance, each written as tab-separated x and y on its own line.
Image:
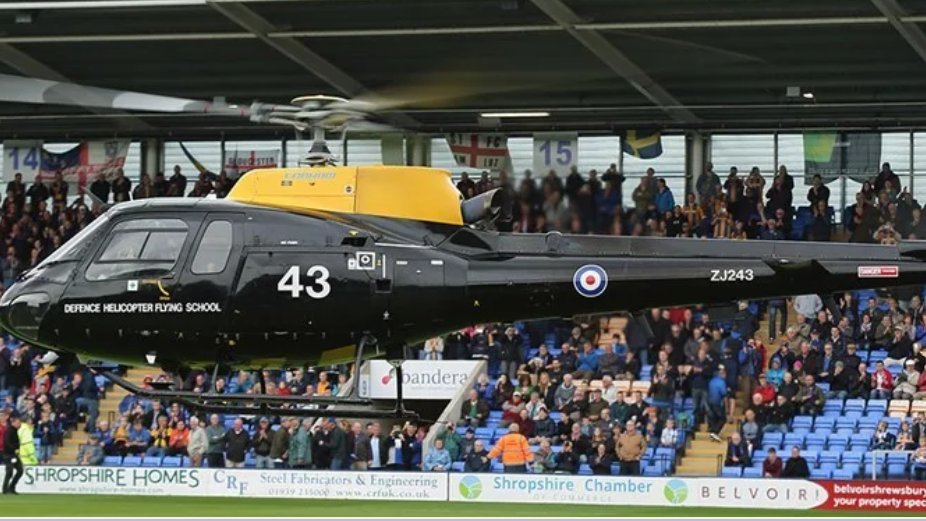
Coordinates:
53	505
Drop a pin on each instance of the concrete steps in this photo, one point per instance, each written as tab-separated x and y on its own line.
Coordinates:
704	456
109	410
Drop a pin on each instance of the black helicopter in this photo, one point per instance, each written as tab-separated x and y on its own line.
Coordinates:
325	264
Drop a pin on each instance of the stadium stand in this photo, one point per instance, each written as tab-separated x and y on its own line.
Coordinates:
753	396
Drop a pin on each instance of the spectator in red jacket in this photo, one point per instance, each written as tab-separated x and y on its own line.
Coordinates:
766	390
882	383
771	467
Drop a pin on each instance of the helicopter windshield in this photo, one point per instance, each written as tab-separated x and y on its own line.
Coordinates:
74	249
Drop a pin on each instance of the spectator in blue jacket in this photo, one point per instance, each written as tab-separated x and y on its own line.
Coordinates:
588	362
438	459
716	396
139	438
665	201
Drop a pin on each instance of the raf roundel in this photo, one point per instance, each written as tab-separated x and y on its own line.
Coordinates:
590	280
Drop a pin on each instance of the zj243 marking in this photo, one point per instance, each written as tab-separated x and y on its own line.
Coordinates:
732	275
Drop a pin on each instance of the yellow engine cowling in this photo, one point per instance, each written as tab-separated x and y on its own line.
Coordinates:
401	192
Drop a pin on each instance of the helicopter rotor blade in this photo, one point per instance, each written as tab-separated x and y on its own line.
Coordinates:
20	89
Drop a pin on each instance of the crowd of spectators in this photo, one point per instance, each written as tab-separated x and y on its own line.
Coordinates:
734	207
597	395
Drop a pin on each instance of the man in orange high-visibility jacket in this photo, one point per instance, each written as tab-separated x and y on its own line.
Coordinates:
515	452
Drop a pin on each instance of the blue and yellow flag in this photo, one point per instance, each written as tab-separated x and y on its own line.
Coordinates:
644	144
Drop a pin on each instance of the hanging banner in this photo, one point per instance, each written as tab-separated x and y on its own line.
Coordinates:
555	151
856	155
82	164
22	157
642	144
482	151
239	162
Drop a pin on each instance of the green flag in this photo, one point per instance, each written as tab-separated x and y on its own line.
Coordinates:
856	155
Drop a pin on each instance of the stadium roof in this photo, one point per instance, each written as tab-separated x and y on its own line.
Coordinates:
594	64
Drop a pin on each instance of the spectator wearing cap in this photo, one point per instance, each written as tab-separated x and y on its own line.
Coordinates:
467	443
545	428
850	359
336	444
514	451
438	459
90	453
452	440
512	409
237	445
478	459
279	445
882	383
199	443
215	435
905	385
262	442
771	466
630	448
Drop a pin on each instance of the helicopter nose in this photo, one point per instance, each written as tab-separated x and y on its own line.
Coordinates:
22	314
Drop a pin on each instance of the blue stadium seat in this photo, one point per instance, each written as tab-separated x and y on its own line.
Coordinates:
854	404
151	462
847	422
824	423
830	456
876	406
131	461
731	472
484	432
772	439
752	472
112	461
833	406
844	473
868	423
838	441
555	416
802	422
174	461
830	467
498	467
793	440
495	415
499	433
815	439
897	458
457	466
811	456
759	454
820	474
585	470
897	470
654	471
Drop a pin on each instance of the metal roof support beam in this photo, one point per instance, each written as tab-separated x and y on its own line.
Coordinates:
909	31
616	60
29	66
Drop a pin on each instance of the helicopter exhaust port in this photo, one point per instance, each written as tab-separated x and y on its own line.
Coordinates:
488	206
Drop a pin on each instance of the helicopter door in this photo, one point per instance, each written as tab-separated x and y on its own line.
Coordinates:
416	282
209	275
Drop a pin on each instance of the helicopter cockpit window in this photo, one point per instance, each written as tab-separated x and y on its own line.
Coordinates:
144	247
212	255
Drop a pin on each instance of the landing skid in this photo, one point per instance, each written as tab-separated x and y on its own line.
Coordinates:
265	404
